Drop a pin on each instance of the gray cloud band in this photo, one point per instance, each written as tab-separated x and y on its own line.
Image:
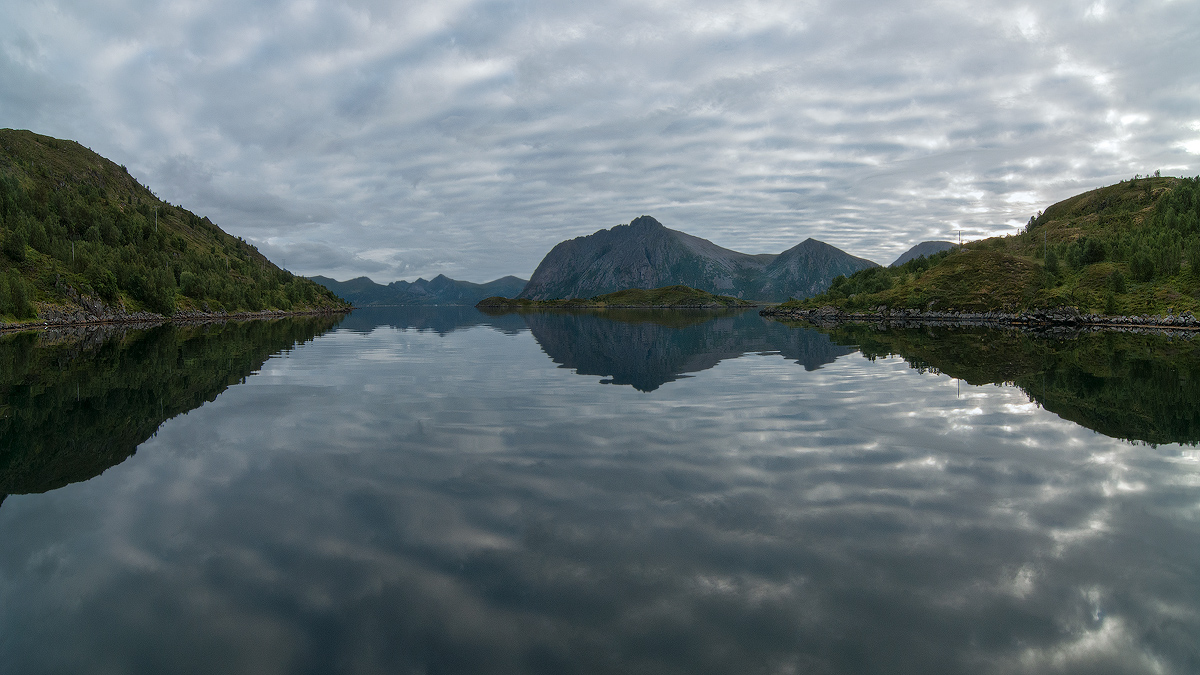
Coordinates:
469	138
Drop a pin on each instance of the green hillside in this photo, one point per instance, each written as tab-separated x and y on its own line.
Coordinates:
80	237
667	296
1126	249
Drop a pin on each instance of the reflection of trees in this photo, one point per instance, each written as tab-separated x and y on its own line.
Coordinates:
73	405
441	320
1123	385
647	348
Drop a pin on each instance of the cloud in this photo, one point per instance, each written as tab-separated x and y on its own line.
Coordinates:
470	137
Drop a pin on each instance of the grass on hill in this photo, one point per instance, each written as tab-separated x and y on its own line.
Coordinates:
1126	249
667	296
75	228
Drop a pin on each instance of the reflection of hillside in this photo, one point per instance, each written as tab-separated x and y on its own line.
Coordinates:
441	320
1135	387
75	404
649	348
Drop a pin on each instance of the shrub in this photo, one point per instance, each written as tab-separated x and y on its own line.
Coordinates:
14	246
1116	282
1141	266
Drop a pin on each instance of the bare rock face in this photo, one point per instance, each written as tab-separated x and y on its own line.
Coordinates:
645	254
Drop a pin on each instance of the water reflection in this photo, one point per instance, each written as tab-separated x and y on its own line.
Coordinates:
648	348
76	402
1141	387
398	500
440	320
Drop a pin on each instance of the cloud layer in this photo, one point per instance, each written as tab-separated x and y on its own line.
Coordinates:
467	138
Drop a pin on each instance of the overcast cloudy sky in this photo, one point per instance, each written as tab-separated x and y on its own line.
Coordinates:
467	137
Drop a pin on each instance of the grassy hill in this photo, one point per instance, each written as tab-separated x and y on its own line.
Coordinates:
667	296
78	235
1126	249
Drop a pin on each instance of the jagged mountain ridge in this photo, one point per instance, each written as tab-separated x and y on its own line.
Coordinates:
646	254
441	290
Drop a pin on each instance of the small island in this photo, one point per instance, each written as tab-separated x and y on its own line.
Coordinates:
667	297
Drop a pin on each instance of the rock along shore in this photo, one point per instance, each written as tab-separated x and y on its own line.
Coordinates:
1057	318
51	316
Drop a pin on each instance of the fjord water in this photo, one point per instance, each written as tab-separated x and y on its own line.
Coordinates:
443	491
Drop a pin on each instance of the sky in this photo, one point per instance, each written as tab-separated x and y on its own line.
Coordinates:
400	140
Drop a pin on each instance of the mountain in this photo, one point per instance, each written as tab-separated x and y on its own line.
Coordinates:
925	248
1127	249
645	254
81	240
441	290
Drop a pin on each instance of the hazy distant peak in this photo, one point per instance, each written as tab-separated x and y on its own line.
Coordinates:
925	248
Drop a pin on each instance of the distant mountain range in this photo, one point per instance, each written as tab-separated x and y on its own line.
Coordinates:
441	290
645	254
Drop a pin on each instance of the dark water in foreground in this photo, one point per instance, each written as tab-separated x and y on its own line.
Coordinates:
441	491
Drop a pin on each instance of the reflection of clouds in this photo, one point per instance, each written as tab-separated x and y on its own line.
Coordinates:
1109	646
466	505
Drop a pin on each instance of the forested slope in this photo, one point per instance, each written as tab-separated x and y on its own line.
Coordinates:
1125	249
79	234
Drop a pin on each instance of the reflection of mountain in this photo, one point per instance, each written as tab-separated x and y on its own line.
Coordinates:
441	320
647	348
73	405
1123	385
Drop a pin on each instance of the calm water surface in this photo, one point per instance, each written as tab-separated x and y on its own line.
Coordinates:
441	491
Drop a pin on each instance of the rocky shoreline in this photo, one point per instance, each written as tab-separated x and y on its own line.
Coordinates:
83	316
1057	318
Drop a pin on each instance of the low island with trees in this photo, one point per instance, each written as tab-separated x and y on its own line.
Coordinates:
667	297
